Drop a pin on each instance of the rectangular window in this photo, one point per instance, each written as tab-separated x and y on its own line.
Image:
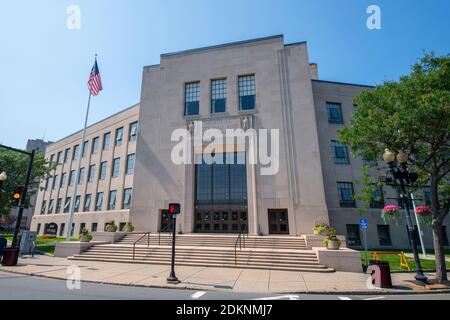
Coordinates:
66	155
119	137
127	198
82	226
67	205
340	153
369	162
94	145
63	179
112	200
43	206
55	182
87	203
91	173
58	205
115	167
81	176
346	195
71	177
130	163
50	207
52	159
353	237
247	92
384	235
102	174
218	95
84	149
192	99
377	199
106	140
77	204
47	183
334	112
75	152
58	157
94	227
99	202
133	131
61	230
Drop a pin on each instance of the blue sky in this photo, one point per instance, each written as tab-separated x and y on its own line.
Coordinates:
44	66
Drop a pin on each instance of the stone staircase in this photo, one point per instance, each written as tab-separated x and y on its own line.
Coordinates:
274	253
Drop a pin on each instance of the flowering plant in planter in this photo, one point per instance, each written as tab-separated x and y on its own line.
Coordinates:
390	212
424	214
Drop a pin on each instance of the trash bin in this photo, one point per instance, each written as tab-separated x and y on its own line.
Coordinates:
381	273
10	256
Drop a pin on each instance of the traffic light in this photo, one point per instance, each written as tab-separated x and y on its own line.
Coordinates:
17	195
174	208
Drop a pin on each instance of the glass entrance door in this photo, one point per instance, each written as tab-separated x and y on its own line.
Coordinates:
166	222
278	221
221	220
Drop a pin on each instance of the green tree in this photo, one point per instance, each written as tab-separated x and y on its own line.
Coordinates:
411	115
15	165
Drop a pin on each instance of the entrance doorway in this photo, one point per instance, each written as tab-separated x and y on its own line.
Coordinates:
278	221
221	220
166	221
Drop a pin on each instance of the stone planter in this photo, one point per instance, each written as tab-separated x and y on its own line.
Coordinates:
84	238
333	245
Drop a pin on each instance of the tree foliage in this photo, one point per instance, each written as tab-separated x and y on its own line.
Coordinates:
412	115
15	165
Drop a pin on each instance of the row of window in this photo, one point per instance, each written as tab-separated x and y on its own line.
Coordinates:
87	205
334	112
118	138
246	92
61	229
347	193
115	171
384	235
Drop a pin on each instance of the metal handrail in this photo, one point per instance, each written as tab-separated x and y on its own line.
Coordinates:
159	236
238	240
148	242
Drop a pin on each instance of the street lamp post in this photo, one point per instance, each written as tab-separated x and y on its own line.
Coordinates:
402	178
13	252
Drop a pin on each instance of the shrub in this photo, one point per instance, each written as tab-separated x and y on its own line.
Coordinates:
111	226
129	227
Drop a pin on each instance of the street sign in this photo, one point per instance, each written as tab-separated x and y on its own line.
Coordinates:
363	223
174	208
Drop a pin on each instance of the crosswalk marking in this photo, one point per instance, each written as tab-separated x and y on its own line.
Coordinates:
287	297
374	298
345	298
198	294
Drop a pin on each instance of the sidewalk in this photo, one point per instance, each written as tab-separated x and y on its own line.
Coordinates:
206	278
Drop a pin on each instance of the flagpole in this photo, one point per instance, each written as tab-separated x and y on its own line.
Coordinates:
77	173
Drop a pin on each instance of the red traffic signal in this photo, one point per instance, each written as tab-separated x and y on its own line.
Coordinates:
16	196
174	208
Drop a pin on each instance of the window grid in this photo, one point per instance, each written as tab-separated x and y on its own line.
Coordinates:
346	194
247	92
353	235
384	235
340	153
130	163
192	98
127	198
334	112
218	95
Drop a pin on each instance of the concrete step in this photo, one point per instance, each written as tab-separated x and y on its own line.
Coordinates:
316	268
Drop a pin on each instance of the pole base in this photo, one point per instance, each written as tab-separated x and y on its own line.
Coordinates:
173	280
421	279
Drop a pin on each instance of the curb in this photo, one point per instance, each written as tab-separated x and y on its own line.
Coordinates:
193	287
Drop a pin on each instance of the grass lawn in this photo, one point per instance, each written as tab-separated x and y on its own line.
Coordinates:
40	240
47	249
394	260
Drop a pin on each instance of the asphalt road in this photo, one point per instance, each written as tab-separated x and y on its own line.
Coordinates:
15	286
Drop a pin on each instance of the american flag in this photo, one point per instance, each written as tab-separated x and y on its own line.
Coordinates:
95	81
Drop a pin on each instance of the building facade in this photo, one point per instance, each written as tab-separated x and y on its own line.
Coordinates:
105	184
250	93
